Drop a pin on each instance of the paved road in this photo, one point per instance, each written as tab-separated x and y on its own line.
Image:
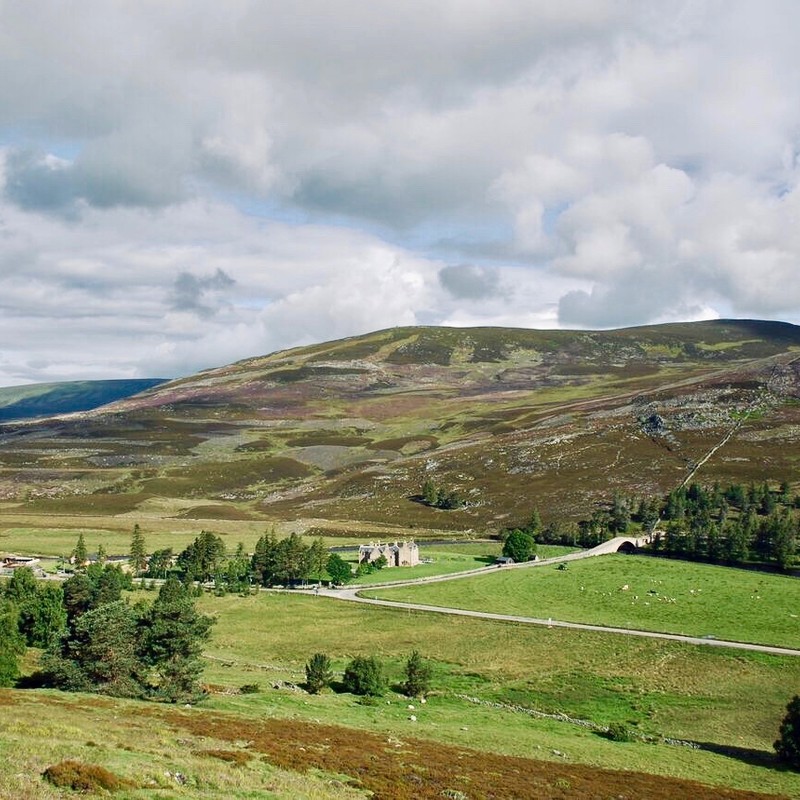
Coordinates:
357	595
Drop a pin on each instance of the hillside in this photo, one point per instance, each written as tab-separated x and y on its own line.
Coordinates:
339	437
48	399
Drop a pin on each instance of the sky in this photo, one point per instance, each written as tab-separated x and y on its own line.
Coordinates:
188	183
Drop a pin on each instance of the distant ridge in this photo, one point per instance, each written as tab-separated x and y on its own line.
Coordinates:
47	399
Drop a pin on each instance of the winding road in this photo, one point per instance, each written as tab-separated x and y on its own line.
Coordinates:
356	594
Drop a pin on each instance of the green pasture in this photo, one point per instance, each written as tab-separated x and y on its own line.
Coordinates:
458	557
634	592
177	534
731	702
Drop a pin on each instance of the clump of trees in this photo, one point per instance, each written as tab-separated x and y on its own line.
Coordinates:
274	562
111	647
735	524
437	497
364	676
288	561
95	641
32	614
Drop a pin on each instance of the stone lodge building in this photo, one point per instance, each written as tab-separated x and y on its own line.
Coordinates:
404	554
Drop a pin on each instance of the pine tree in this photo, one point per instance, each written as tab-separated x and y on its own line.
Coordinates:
317	558
42	616
21	586
364	676
79	554
201	560
138	554
172	635
318	673
262	564
787	747
99	654
418	676
430	494
291	561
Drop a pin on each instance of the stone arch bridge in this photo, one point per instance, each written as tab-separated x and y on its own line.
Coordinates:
620	544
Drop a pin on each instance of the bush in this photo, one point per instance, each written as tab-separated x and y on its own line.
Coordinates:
249	688
787	746
364	676
81	777
236	757
619	732
318	673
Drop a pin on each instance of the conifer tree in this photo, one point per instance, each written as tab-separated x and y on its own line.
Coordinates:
138	554
318	673
79	553
172	635
418	676
787	747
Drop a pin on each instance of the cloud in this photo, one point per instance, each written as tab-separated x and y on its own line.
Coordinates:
468	281
184	184
189	291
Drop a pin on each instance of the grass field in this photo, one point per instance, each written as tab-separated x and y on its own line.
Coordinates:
728	703
658	688
634	592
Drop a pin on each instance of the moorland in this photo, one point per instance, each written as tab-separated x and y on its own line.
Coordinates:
335	441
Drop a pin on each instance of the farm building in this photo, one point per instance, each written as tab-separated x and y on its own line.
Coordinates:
10	563
399	554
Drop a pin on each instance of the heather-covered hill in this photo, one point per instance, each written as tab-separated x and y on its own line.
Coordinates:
341	436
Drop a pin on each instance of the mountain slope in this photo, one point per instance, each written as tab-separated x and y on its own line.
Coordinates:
341	435
48	399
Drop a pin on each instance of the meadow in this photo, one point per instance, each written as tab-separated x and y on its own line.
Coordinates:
640	592
493	684
660	689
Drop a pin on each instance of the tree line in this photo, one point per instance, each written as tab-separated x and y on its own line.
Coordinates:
274	562
734	524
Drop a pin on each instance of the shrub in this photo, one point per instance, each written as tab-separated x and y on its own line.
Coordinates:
249	688
82	777
236	757
364	676
619	732
318	673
